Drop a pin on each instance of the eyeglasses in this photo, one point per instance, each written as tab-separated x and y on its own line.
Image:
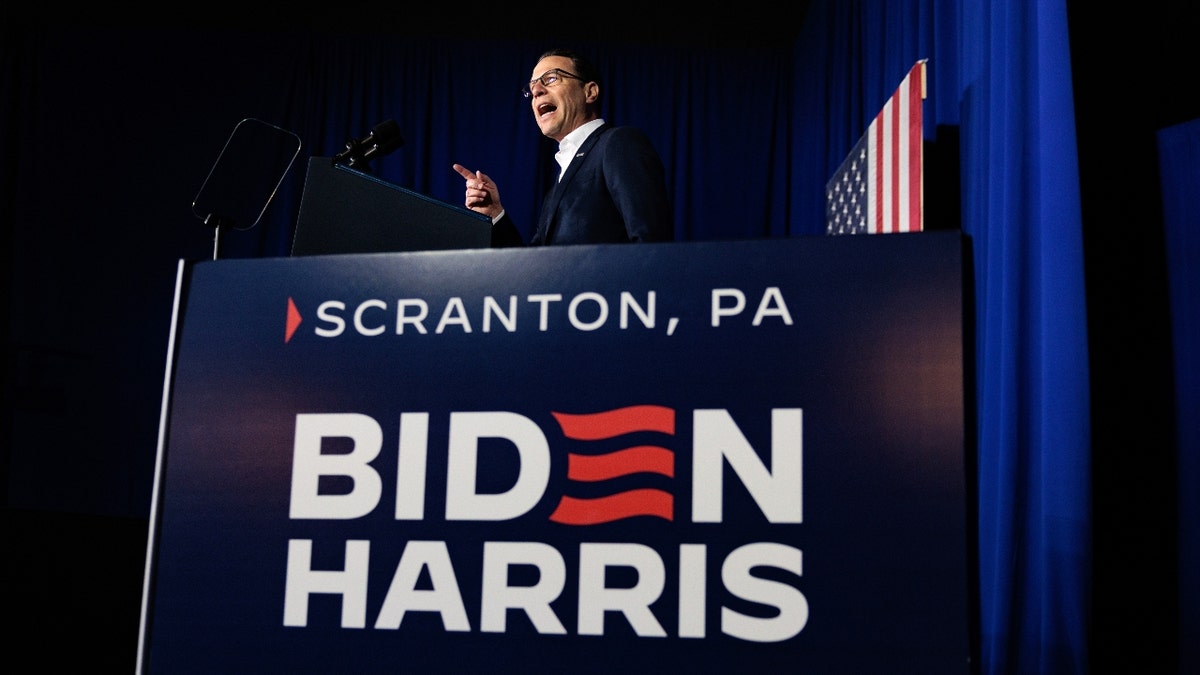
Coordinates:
548	79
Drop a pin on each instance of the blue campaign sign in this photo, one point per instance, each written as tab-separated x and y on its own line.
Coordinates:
694	457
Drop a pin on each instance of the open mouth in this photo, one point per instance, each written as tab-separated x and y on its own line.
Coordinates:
545	109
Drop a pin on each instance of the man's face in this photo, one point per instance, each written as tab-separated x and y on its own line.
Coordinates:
563	107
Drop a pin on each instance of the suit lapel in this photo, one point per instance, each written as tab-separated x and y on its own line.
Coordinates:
547	224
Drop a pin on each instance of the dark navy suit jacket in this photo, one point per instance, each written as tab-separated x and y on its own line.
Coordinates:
614	190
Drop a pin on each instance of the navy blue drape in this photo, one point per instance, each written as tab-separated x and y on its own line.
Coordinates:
1179	166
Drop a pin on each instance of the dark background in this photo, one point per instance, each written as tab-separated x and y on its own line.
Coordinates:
74	573
1134	463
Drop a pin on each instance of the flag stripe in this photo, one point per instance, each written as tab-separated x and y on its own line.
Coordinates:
873	178
893	159
880	193
899	156
916	150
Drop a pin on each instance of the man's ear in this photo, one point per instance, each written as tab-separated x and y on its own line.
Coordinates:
591	92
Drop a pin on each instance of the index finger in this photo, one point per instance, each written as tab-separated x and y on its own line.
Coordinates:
464	172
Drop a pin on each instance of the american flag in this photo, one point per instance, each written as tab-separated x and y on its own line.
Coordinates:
880	185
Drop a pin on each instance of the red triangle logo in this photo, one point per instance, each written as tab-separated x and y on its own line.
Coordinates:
293	321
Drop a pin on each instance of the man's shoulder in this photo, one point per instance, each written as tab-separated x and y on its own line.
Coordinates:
621	131
622	135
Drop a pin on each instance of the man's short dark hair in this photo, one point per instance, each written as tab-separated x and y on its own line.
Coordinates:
580	65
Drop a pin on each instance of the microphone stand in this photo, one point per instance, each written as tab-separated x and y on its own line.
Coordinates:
217	222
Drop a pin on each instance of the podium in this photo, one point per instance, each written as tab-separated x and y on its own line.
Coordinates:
344	210
707	457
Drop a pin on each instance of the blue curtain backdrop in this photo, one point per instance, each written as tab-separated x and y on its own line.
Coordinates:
109	131
1002	75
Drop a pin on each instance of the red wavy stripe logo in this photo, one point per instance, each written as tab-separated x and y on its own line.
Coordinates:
596	468
612	423
640	459
642	502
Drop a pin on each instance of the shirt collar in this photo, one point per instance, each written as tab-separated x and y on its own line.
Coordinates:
571	142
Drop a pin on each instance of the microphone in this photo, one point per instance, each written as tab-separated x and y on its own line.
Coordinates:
384	138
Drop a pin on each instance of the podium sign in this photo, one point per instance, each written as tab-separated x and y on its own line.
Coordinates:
688	457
